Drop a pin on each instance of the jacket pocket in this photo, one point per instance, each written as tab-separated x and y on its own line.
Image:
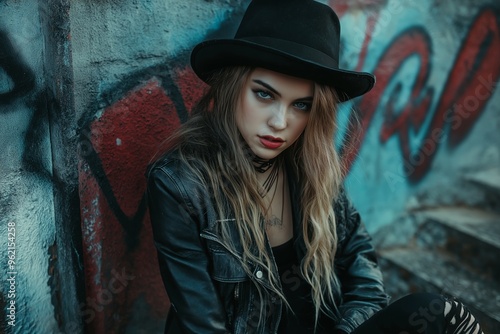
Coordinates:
226	268
226	264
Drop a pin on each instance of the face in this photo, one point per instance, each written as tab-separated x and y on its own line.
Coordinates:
273	111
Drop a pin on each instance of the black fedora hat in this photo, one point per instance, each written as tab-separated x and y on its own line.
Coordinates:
295	37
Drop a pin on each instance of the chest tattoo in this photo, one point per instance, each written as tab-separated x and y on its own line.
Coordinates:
274	222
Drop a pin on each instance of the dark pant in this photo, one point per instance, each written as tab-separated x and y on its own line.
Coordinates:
419	313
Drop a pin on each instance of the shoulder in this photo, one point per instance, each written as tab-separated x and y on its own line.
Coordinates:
174	185
173	172
174	164
168	162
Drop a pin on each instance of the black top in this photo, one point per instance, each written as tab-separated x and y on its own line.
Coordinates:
300	319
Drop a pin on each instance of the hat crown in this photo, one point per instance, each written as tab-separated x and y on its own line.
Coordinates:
303	22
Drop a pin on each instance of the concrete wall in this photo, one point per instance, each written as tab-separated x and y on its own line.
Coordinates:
38	201
88	90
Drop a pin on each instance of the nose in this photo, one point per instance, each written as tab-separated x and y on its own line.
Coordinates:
278	118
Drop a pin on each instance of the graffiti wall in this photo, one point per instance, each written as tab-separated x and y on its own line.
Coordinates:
431	118
27	223
39	216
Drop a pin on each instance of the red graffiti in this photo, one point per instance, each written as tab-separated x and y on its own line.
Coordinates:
116	231
370	26
469	87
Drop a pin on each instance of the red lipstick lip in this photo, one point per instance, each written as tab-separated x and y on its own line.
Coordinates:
271	142
273	139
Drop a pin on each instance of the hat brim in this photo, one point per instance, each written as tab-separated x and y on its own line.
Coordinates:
211	55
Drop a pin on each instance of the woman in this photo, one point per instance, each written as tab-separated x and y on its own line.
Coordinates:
253	230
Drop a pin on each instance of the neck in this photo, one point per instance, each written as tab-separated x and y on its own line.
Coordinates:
268	177
262	165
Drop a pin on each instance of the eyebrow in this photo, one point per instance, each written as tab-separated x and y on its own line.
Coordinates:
262	83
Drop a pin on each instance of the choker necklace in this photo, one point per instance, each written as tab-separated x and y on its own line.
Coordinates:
262	165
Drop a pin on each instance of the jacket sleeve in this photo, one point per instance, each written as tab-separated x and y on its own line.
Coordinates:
358	271
182	257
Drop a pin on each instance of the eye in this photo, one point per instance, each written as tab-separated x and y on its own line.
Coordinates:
262	94
305	106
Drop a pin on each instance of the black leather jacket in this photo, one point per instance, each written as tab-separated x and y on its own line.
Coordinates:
207	286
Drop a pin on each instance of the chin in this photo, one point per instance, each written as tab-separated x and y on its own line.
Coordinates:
267	154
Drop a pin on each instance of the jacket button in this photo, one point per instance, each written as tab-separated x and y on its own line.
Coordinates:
258	274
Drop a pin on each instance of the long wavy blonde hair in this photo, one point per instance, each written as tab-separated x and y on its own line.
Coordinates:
211	145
